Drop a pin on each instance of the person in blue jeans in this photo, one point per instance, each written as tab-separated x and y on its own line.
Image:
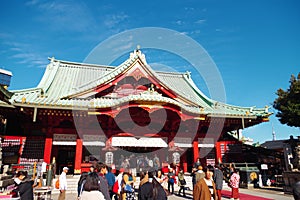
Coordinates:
111	179
171	180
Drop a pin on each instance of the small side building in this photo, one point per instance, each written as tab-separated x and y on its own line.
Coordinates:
290	149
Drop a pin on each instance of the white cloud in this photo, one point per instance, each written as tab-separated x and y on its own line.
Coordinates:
129	46
162	67
77	16
21	54
196	32
200	21
30	59
4	36
15	49
59	15
16	46
179	22
32	2
189	8
111	21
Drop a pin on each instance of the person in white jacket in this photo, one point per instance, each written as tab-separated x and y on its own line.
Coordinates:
119	180
63	184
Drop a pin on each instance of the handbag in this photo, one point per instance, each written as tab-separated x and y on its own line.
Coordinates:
57	184
128	188
183	182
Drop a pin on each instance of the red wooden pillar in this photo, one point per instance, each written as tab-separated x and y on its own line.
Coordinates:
184	162
196	150
22	140
78	156
218	152
48	150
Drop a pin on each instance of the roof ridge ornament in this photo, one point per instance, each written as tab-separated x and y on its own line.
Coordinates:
138	53
188	74
252	108
151	88
216	104
267	109
150	91
52	59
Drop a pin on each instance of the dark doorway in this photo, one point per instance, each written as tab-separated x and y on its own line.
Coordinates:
65	158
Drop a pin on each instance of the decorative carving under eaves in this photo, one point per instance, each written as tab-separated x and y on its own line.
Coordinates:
150	93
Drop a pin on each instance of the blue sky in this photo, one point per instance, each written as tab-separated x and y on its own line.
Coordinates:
255	44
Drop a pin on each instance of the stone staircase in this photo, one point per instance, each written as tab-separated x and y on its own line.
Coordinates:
72	184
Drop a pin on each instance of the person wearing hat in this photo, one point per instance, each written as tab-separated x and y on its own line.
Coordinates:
63	184
205	188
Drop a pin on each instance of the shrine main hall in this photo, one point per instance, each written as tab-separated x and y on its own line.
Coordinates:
80	113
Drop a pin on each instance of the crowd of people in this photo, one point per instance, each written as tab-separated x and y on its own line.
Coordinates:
139	163
207	183
100	183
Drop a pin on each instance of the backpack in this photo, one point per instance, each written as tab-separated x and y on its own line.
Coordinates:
199	176
57	184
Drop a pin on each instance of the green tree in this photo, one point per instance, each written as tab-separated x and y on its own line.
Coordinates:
288	103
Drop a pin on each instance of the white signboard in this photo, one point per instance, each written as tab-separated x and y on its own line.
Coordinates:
264	166
183	142
206	142
64	137
141	142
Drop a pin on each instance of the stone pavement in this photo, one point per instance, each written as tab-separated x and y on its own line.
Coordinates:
260	192
257	193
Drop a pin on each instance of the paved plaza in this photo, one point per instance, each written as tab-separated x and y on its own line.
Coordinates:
265	193
257	194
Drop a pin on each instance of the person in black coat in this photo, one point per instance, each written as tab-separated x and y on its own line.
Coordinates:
146	191
218	179
24	186
81	182
158	191
151	190
296	190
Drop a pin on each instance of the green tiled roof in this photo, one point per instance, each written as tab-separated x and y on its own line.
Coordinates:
63	80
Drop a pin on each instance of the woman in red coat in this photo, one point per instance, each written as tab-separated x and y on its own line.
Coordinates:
205	188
